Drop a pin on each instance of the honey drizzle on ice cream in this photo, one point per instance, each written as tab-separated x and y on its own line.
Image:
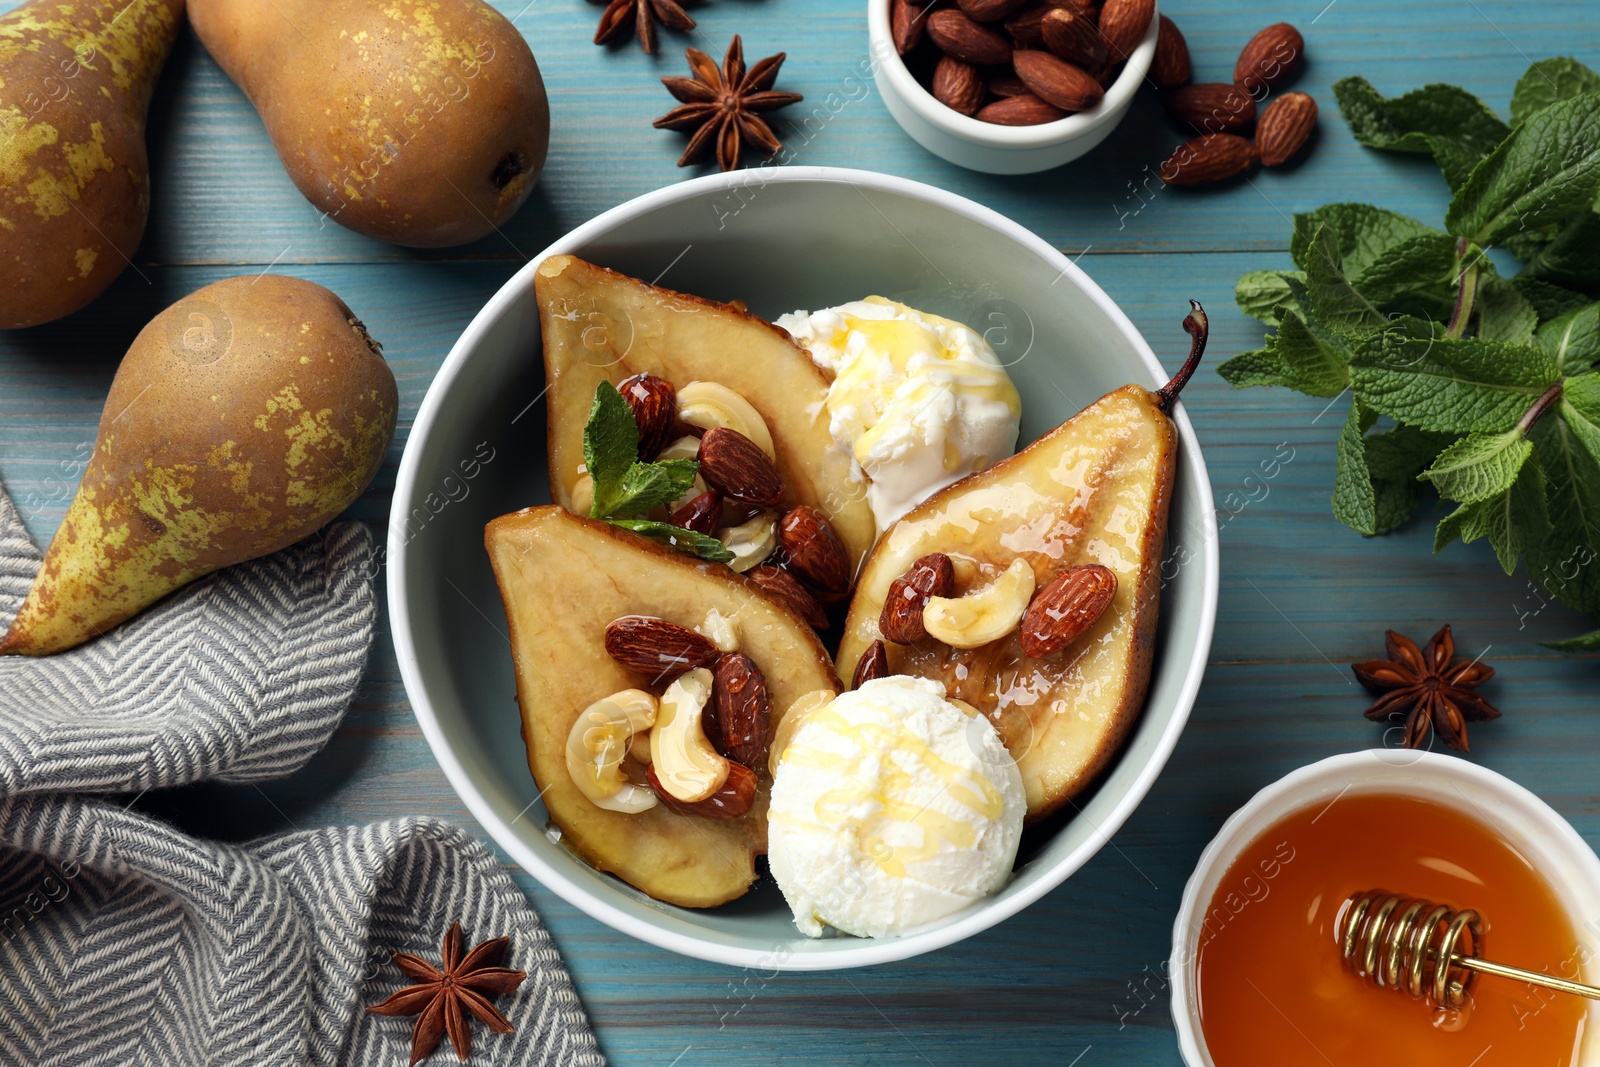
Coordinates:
877	740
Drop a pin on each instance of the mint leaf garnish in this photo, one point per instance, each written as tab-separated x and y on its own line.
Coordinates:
698	544
1546	172
1550	81
610	446
1443	121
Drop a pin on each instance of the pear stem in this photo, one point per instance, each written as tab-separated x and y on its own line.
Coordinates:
1197	327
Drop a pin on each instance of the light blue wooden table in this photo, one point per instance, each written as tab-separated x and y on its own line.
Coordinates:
1075	978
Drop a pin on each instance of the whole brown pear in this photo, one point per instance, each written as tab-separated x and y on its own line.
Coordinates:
75	84
419	122
242	419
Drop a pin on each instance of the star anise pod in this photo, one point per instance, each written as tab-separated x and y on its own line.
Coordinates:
723	105
1430	687
443	997
641	15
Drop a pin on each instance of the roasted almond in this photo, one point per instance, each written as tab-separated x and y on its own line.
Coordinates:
738	718
958	85
656	648
960	37
1269	58
702	514
813	551
782	587
990	10
907	21
1006	83
901	618
1171	67
1023	110
1211	107
1285	126
654	403
735	465
1072	36
874	663
1055	81
1123	24
1064	610
1213	158
735	797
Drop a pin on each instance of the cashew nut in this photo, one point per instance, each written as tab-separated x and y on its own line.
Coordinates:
750	542
711	404
983	615
599	739
686	763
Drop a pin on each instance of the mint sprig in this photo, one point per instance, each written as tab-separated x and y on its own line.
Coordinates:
624	487
1481	387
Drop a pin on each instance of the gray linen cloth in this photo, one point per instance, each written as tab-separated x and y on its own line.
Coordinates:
123	941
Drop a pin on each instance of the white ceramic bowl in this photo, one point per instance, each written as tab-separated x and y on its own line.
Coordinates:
780	239
983	145
1528	823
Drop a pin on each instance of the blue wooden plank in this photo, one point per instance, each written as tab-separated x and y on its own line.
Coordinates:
1302	596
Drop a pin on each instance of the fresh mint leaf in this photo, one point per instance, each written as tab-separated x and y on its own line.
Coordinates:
1443	121
1327	296
1580	409
1506	519
1262	294
649	485
1261	367
610	445
1561	552
1479	466
1468	523
1550	81
1545	173
1551	301
1362	233
1589	642
1504	314
691	541
1310	365
1573	339
1354	501
1449	386
1375	489
1415	277
1569	258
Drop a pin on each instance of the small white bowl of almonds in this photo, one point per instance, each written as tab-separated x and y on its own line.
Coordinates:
1010	86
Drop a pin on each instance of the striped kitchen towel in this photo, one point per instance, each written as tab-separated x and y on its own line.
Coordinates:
125	942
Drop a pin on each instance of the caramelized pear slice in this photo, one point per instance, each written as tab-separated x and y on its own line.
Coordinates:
563	579
600	325
1097	489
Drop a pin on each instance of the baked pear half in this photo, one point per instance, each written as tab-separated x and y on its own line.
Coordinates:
599	325
564	579
1096	490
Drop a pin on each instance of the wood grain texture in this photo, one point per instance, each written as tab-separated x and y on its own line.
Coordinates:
1301	595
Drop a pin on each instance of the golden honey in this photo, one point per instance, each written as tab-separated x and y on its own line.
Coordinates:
1274	993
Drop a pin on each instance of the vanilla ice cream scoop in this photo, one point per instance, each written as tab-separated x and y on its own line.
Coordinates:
892	808
917	401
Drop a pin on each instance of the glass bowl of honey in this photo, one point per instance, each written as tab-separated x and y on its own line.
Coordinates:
1259	970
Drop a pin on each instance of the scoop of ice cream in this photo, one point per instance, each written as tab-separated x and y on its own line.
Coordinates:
918	401
892	808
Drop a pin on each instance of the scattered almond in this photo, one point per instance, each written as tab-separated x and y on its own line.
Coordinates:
814	552
1171	67
734	798
1023	110
958	86
1269	58
1123	23
901	618
736	465
957	35
1285	127
654	403
782	587
1211	107
874	663
656	648
1212	158
1056	81
1072	36
1065	609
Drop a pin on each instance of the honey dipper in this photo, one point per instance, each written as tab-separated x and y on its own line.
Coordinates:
1392	940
